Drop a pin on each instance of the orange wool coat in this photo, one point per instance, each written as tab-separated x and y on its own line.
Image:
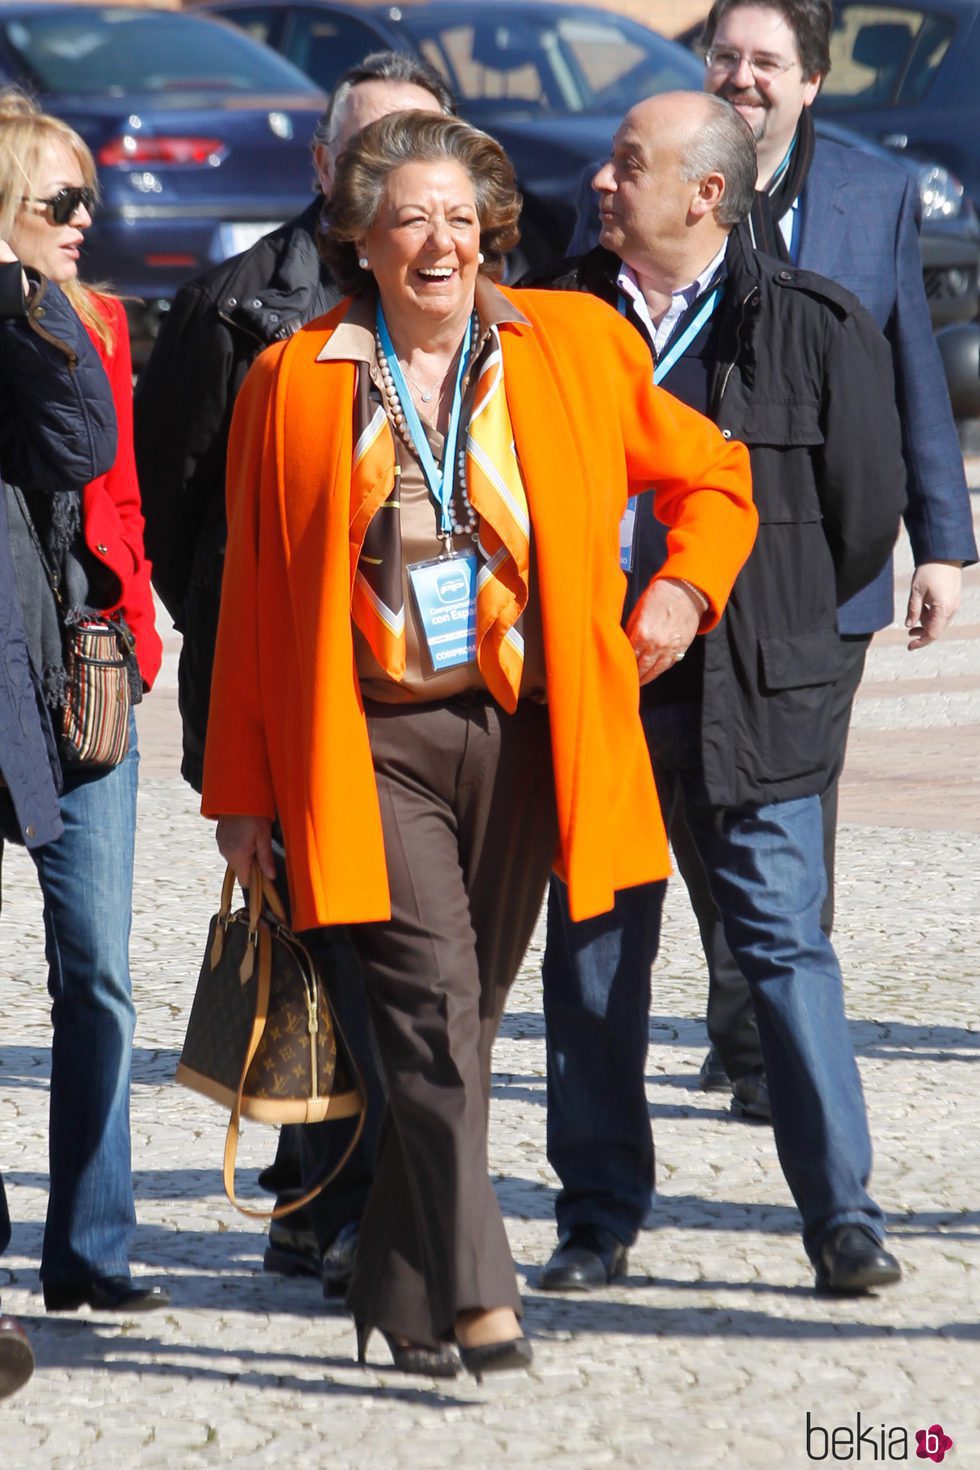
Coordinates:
287	734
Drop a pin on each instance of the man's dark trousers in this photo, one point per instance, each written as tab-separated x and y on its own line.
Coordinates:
769	884
597	1013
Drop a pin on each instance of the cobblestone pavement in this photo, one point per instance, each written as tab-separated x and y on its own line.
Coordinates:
715	1350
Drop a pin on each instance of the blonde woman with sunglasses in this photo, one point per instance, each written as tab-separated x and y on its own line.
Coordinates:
89	542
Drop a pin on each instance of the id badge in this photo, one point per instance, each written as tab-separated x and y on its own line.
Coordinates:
445	594
627	526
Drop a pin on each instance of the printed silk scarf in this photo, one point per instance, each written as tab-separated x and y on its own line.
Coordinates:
496	492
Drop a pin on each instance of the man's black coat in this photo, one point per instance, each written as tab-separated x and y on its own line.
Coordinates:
803	377
209	339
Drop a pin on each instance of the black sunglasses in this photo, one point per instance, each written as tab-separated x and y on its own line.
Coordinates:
61	207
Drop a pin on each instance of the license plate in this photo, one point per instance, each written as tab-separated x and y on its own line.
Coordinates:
234	238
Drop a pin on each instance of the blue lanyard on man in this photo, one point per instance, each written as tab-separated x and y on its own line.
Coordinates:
439	481
665	362
680	344
691	332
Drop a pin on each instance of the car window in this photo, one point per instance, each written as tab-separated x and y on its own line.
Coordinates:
883	56
325	45
258	21
549	61
111	53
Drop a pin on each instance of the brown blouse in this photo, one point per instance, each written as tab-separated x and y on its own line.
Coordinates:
354	341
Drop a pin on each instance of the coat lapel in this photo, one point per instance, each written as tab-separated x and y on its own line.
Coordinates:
824	230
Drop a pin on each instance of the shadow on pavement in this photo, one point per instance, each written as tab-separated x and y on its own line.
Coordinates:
91	1345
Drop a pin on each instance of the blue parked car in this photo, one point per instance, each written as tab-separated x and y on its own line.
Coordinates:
552	82
201	135
907	73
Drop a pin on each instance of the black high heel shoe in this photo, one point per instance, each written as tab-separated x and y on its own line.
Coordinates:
494	1357
426	1362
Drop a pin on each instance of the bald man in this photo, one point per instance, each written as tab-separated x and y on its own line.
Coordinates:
737	721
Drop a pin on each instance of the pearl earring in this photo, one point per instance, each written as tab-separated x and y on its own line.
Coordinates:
480	258
363	263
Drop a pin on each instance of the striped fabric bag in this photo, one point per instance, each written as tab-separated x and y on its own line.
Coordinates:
98	659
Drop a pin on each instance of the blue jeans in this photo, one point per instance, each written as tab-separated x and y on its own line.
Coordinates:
87	881
766	871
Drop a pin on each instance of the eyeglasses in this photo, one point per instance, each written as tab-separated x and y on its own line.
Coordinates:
61	208
723	58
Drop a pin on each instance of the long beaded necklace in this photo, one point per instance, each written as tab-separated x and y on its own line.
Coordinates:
465	520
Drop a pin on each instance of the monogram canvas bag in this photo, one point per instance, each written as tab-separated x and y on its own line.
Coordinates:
262	1039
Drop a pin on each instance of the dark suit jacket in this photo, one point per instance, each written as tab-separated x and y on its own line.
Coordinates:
860	227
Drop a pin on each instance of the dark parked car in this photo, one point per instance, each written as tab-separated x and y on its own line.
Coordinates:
201	136
550	81
907	73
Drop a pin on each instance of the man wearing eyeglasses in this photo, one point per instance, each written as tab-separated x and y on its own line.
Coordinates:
842	213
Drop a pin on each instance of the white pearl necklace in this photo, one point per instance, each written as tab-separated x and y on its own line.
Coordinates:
464	516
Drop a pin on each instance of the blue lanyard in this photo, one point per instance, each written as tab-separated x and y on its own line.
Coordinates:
683	342
784	165
440	481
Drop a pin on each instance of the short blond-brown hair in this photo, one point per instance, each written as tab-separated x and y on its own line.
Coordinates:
418	137
25	132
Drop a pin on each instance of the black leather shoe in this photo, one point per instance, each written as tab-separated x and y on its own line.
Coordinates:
712	1076
852	1260
750	1098
291	1251
338	1261
16	1357
587	1259
106	1294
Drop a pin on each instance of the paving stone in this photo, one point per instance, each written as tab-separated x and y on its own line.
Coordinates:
716	1349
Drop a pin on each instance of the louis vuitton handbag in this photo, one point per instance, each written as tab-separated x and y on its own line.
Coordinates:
262	1038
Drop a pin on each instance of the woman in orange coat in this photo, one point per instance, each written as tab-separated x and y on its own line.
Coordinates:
421	670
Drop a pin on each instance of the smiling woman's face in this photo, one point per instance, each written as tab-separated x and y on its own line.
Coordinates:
36	241
423	248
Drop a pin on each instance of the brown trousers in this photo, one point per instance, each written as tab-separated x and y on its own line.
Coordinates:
468	812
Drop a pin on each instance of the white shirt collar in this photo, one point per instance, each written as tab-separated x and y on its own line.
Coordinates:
680	300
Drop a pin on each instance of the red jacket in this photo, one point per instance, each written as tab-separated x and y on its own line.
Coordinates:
112	517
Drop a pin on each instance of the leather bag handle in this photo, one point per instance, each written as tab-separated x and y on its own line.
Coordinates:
263	889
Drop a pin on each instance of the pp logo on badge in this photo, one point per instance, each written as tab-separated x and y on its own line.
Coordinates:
452	586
